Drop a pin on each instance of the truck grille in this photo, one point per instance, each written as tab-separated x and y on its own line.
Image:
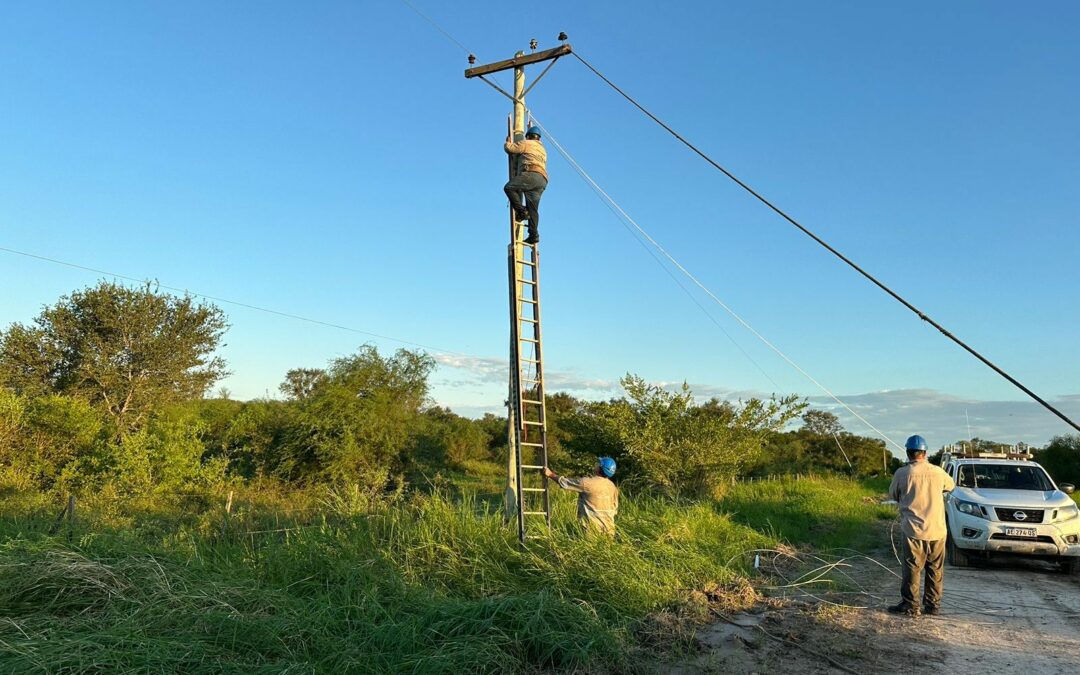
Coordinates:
1009	515
1041	539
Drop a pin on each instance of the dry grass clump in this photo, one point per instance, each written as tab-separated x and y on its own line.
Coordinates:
60	582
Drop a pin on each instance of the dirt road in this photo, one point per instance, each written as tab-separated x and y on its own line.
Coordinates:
1007	618
1003	617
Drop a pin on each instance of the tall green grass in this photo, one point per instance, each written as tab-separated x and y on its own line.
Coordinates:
433	583
822	512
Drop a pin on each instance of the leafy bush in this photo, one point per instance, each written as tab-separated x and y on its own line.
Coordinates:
167	455
358	419
51	440
1062	459
669	443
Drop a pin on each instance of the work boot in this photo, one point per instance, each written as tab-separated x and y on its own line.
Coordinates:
533	238
905	609
521	214
931	610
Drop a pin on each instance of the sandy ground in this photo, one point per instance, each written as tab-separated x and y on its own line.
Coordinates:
1002	617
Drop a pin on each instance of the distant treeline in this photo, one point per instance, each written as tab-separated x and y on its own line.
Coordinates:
109	386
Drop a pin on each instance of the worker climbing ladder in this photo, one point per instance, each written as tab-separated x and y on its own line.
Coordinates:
527	499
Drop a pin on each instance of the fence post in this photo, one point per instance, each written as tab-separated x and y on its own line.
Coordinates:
70	514
228	512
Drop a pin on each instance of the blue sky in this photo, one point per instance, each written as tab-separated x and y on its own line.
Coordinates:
329	160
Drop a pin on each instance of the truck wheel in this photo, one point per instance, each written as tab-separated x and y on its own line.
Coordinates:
954	555
1071	566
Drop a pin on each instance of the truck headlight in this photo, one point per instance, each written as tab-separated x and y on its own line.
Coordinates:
970	508
1068	513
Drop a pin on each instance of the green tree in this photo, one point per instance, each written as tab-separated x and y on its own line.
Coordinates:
301	383
688	450
1062	459
356	425
126	351
448	440
821	423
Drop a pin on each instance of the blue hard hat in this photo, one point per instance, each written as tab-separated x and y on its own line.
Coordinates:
533	131
916	442
607	466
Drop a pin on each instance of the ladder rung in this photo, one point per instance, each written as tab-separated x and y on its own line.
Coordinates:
521	318
534	445
531	466
535	424
534	513
525	379
527	281
524	339
529	400
527	360
532	302
533	489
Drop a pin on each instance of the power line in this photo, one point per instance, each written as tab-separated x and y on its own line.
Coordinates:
236	303
612	202
577	167
675	279
436	26
896	296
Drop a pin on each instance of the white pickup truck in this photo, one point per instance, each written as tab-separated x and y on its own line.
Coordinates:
1005	504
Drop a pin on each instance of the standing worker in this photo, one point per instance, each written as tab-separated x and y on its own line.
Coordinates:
917	488
598	498
530	181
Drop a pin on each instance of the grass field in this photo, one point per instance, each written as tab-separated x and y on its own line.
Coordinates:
326	582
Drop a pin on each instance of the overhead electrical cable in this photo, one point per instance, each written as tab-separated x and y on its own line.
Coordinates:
437	27
896	296
600	191
237	303
675	279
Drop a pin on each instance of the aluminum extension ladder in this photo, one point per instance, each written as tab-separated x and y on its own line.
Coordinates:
527	415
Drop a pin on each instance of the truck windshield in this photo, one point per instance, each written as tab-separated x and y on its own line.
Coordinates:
1004	477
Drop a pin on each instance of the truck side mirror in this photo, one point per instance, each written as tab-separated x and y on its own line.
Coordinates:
1067	488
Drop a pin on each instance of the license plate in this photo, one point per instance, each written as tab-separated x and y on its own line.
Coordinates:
1020	532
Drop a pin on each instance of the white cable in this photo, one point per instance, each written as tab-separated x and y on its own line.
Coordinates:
566	155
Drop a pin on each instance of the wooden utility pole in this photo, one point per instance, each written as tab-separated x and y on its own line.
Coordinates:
526	414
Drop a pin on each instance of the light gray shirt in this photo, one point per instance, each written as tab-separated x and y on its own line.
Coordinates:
917	487
598	501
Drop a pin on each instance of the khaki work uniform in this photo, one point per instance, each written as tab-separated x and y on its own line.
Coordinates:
917	489
598	501
531	181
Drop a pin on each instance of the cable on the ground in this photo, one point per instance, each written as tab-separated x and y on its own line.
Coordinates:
600	191
896	296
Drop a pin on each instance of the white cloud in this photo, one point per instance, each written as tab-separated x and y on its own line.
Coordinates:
489	369
943	418
938	416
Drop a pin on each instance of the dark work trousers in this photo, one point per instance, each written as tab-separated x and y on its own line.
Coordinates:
530	185
919	554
